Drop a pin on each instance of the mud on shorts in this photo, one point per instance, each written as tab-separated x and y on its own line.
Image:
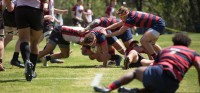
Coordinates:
56	38
156	80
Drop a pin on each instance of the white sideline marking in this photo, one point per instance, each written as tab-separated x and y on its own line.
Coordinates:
96	80
62	78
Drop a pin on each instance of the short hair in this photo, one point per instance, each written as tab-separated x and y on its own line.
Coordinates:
181	39
88	39
122	10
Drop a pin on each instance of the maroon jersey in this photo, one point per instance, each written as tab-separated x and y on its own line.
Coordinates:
105	22
177	60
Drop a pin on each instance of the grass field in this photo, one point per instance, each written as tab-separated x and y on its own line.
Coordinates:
78	72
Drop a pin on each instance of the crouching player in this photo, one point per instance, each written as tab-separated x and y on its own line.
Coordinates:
61	36
96	38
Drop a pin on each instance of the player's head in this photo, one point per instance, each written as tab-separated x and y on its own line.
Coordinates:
90	39
181	39
122	12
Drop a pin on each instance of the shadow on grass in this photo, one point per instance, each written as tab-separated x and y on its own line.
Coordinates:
12	80
78	67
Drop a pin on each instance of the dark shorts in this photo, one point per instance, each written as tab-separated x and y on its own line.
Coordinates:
29	17
111	40
138	63
47	26
1	20
156	80
9	18
126	36
56	38
159	26
76	22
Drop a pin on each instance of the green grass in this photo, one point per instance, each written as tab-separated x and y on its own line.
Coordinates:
77	73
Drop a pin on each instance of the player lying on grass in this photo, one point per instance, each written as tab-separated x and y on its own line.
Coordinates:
133	58
168	70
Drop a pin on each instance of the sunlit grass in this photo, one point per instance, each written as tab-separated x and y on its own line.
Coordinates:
77	73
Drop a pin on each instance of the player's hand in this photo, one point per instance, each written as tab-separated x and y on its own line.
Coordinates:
65	11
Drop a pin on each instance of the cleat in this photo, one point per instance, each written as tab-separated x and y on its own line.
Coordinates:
118	60
101	89
34	74
1	67
44	61
28	70
128	90
56	61
126	63
17	63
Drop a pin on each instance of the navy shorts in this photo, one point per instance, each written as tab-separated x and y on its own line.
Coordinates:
56	38
159	26
126	36
111	40
156	80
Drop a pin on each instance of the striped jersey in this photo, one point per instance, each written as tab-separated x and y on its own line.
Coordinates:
177	60
71	34
105	22
141	19
100	35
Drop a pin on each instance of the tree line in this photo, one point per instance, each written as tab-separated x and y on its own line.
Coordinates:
183	15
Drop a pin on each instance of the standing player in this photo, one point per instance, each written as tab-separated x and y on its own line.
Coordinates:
129	19
110	10
1	37
88	14
168	70
29	19
77	12
11	30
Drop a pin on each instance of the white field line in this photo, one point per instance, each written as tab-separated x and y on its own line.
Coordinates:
96	80
62	78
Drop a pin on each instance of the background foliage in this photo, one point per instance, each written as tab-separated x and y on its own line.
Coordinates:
182	15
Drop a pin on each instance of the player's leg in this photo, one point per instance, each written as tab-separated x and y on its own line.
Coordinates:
125	79
1	48
148	39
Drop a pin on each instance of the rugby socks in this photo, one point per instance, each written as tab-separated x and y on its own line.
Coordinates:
48	58
15	56
114	85
117	59
33	59
25	51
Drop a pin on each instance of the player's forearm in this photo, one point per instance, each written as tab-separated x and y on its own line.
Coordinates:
114	26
